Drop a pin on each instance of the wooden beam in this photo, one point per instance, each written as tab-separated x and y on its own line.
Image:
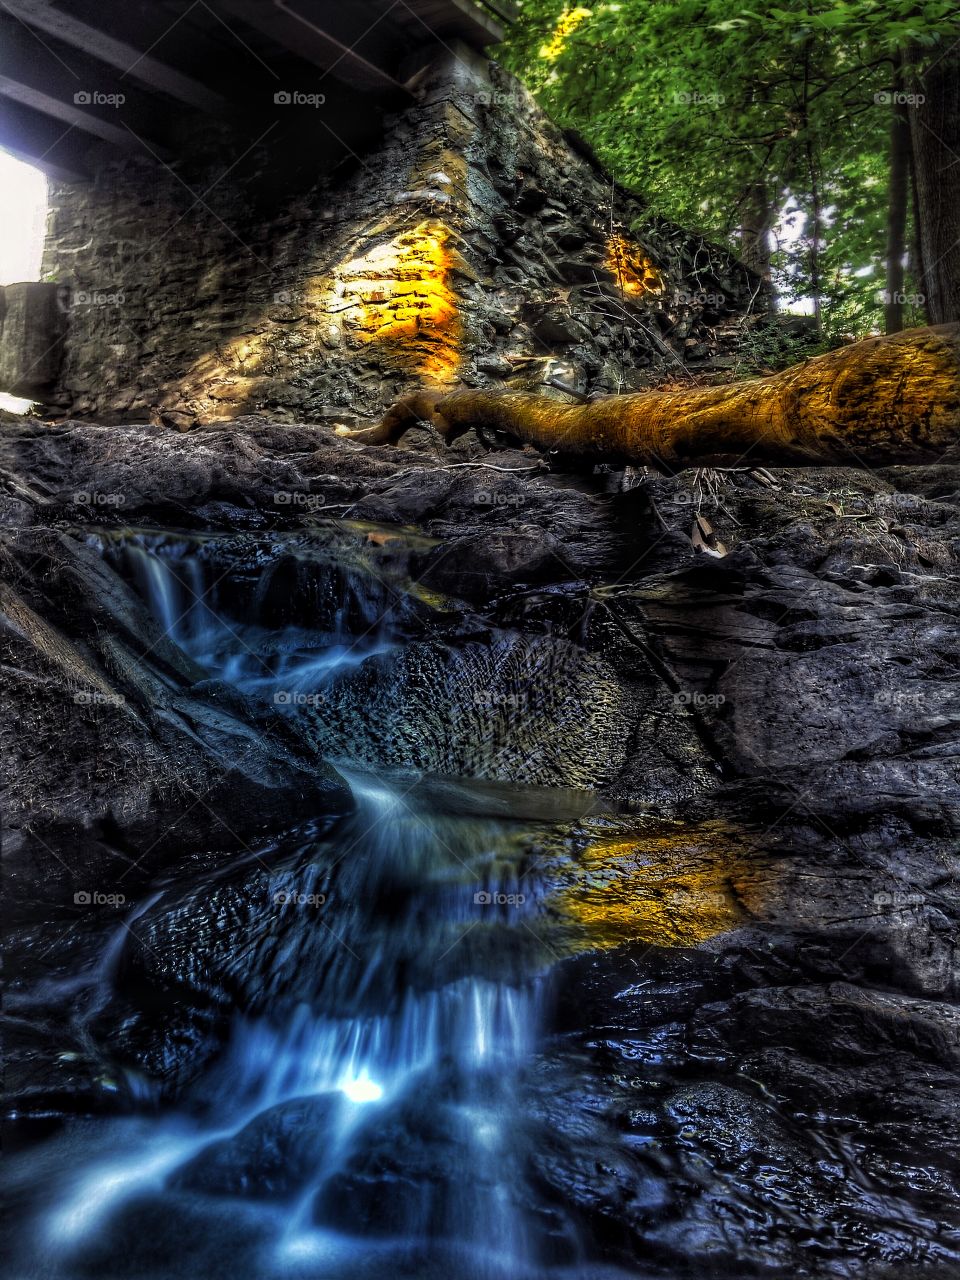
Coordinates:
51	147
68	113
42	16
326	40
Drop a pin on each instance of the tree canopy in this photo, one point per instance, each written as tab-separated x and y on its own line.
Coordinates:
787	130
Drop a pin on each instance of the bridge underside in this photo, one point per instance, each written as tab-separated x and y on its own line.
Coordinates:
301	209
140	75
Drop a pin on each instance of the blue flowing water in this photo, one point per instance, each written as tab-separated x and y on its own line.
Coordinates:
371	1120
386	1045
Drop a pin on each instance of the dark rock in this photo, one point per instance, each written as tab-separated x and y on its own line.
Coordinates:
271	1157
110	744
554	323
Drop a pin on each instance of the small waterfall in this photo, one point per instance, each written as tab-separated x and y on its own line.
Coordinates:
166	594
463	1045
387	1103
238	622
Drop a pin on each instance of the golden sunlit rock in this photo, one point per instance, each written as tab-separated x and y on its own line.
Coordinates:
404	300
673	888
635	273
397	295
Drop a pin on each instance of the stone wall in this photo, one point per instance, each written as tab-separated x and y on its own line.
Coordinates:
479	243
32	320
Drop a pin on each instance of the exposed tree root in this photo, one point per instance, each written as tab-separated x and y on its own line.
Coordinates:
879	401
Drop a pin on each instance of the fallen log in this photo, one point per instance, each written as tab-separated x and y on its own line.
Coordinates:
879	401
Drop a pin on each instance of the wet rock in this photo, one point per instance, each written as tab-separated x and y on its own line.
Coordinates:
271	1157
113	757
554	324
406	1160
488	564
859	1024
777	1092
539	711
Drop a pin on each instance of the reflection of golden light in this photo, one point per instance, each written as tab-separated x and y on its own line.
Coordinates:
635	273
567	24
677	888
403	299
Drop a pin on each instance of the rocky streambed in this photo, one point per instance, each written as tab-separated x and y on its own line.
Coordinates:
431	857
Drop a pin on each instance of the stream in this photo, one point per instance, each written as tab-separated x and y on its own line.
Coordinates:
423	1038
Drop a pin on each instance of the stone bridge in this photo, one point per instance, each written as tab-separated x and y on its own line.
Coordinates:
141	74
297	208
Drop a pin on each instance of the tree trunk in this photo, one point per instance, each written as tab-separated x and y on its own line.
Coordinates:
757	220
935	132
916	248
816	236
897	203
876	402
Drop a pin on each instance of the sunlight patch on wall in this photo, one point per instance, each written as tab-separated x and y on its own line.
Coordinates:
400	295
635	273
396	297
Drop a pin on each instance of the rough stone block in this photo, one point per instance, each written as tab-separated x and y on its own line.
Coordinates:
31	337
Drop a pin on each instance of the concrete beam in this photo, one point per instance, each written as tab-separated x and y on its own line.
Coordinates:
93	98
32	324
453	19
68	113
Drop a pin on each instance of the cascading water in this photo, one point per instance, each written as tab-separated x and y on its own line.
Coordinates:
350	1051
253	645
369	1118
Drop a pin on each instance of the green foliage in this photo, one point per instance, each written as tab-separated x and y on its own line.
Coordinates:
695	103
768	348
